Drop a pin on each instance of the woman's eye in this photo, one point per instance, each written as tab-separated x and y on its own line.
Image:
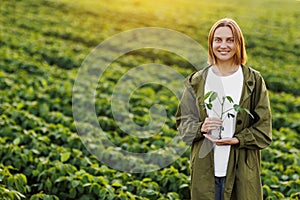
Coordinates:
230	40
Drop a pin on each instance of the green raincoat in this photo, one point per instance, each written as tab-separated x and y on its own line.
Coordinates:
243	173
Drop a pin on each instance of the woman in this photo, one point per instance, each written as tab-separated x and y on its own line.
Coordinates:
230	168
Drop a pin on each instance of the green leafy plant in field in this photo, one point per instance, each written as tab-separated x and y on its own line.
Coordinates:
12	186
212	96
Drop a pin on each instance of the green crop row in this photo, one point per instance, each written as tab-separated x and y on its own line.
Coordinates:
42	48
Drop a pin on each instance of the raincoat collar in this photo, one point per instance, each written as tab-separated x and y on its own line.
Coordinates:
197	81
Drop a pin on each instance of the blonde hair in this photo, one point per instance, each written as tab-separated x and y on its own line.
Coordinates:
241	56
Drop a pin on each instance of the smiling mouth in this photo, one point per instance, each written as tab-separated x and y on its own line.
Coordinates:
223	52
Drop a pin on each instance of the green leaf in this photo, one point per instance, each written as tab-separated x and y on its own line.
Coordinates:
65	156
247	111
117	184
11	181
48	184
229	99
172	195
148	192
209	106
122	196
75	183
183	186
73	193
16	141
207	95
237	108
147	179
102	192
60	179
213	96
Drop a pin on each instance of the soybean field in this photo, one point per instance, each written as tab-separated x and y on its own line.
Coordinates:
56	91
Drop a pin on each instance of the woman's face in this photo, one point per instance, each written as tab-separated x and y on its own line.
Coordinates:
223	46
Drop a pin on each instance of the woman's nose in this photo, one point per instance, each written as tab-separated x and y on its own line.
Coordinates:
223	44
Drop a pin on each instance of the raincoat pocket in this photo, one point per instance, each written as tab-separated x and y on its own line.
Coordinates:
251	158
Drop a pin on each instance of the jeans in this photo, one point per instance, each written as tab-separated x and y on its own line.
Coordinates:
219	188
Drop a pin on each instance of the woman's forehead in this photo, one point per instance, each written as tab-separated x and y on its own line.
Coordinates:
223	31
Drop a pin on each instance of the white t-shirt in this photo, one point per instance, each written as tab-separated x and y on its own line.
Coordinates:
225	86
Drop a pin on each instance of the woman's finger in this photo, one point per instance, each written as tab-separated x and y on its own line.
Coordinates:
211	124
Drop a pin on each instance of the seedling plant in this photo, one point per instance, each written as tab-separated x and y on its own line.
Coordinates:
213	96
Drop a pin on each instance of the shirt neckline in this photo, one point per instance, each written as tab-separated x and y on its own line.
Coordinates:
228	76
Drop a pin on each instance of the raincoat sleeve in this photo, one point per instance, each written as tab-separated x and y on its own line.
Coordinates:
187	117
259	134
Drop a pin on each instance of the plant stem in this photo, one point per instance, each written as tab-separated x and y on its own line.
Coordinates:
228	110
216	113
222	109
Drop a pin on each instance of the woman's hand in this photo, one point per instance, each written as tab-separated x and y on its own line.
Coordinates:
223	141
210	124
